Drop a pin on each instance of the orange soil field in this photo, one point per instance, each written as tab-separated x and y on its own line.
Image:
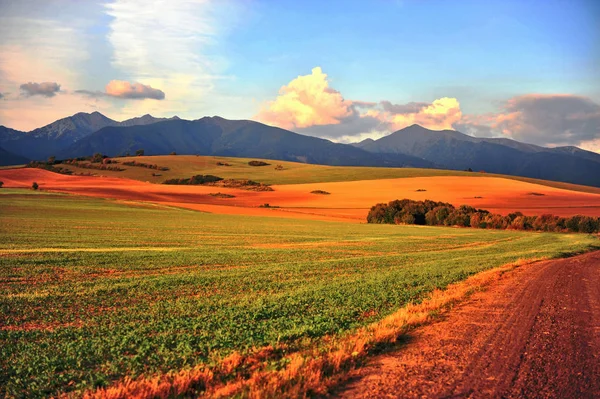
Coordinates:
348	201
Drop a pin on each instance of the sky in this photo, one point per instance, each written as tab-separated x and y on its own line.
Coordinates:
342	70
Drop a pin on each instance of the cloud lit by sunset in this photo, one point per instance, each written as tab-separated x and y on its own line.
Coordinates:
306	101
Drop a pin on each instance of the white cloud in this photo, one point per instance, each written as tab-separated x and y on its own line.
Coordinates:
166	44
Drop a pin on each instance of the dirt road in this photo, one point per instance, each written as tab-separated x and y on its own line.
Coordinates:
534	334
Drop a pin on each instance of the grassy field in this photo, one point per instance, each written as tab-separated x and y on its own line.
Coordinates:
184	166
92	290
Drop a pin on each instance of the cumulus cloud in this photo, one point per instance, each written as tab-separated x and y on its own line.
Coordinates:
439	115
122	89
306	101
46	89
543	119
310	106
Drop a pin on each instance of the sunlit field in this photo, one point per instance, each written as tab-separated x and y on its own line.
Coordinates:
93	291
184	166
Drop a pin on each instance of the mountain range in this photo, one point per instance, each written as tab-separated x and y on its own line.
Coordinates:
84	134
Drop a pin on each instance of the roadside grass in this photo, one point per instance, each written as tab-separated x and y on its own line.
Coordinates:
184	166
141	292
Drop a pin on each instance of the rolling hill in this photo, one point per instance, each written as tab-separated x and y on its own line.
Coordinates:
84	134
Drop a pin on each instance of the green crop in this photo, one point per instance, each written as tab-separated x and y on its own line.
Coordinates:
93	290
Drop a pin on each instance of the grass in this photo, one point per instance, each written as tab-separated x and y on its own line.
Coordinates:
184	166
94	291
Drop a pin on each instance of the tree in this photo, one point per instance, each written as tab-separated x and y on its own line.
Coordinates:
35	186
97	158
51	160
139	152
173	153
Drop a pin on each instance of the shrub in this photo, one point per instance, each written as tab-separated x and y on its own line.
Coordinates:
258	163
139	153
223	164
279	167
320	192
221	195
173	153
588	225
1	184
440	214
267	206
97	158
145	165
35	186
194	180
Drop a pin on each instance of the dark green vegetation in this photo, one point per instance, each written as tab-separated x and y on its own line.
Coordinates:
194	180
145	165
222	195
434	213
320	192
258	163
93	291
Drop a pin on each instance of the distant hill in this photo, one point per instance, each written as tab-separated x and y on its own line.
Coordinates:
239	138
455	150
84	134
8	158
51	139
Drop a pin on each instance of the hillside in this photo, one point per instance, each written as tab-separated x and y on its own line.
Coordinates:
9	158
241	138
53	138
183	166
84	134
455	150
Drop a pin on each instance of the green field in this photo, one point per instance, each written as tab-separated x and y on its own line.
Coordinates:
184	166
92	290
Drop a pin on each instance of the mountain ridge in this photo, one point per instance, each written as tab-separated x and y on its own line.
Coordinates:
83	134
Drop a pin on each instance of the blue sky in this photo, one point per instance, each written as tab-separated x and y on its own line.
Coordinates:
501	62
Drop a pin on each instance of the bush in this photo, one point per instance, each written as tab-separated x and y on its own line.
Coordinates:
97	158
35	186
320	192
441	214
221	195
139	153
1	184
145	165
258	163
194	180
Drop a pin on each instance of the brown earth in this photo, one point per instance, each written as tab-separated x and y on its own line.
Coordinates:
534	334
348	201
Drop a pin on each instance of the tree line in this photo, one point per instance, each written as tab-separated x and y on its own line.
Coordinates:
432	213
